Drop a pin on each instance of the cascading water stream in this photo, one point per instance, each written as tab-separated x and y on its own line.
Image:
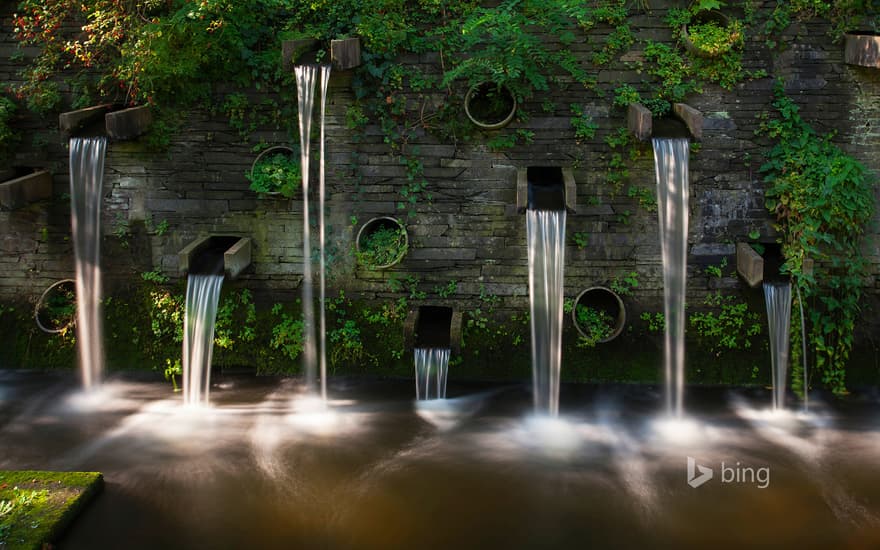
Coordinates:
777	296
202	298
545	233
432	367
671	165
86	182
306	76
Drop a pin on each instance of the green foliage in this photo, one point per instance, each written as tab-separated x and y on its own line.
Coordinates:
728	325
287	334
625	284
597	324
822	200
236	320
656	322
382	247
448	290
277	173
717	271
8	137
581	239
583	123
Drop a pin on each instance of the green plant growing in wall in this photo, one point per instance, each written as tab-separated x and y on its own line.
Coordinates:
581	239
236	320
823	200
728	325
596	323
656	322
383	247
625	284
276	174
448	290
8	137
287	333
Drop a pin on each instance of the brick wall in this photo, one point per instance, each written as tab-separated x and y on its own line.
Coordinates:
470	232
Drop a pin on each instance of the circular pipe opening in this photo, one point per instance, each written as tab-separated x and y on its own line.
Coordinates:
599	304
55	311
381	243
276	177
489	105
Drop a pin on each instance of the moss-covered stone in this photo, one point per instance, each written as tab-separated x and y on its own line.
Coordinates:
36	507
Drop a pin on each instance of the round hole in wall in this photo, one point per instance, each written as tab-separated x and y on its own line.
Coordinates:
276	172
381	243
55	311
489	105
599	309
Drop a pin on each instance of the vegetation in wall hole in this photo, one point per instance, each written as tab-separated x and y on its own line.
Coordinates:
276	173
823	200
382	247
596	323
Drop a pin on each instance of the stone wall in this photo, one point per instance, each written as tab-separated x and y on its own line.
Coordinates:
470	231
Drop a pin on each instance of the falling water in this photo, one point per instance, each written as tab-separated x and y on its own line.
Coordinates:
325	79
306	76
545	232
432	367
305	89
777	296
86	180
202	297
671	165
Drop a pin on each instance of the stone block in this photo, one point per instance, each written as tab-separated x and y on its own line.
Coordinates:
20	191
639	121
862	50
345	53
749	264
72	121
691	117
128	123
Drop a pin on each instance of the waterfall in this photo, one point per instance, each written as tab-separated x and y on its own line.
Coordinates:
545	233
432	365
671	165
202	297
777	296
86	181
305	87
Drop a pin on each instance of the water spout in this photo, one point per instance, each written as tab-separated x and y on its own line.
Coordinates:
86	182
671	165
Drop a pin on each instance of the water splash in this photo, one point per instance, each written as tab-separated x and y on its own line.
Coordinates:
86	182
671	165
432	365
777	296
202	298
545	231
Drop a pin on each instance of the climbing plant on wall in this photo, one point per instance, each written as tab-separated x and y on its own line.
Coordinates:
822	199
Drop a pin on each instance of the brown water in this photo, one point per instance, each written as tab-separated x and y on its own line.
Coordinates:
261	469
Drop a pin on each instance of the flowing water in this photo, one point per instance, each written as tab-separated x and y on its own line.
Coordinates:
432	367
86	182
777	296
306	77
248	472
671	165
305	89
545	234
202	297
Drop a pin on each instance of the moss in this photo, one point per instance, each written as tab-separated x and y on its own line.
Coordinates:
36	506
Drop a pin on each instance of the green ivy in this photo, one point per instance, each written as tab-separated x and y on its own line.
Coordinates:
822	199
